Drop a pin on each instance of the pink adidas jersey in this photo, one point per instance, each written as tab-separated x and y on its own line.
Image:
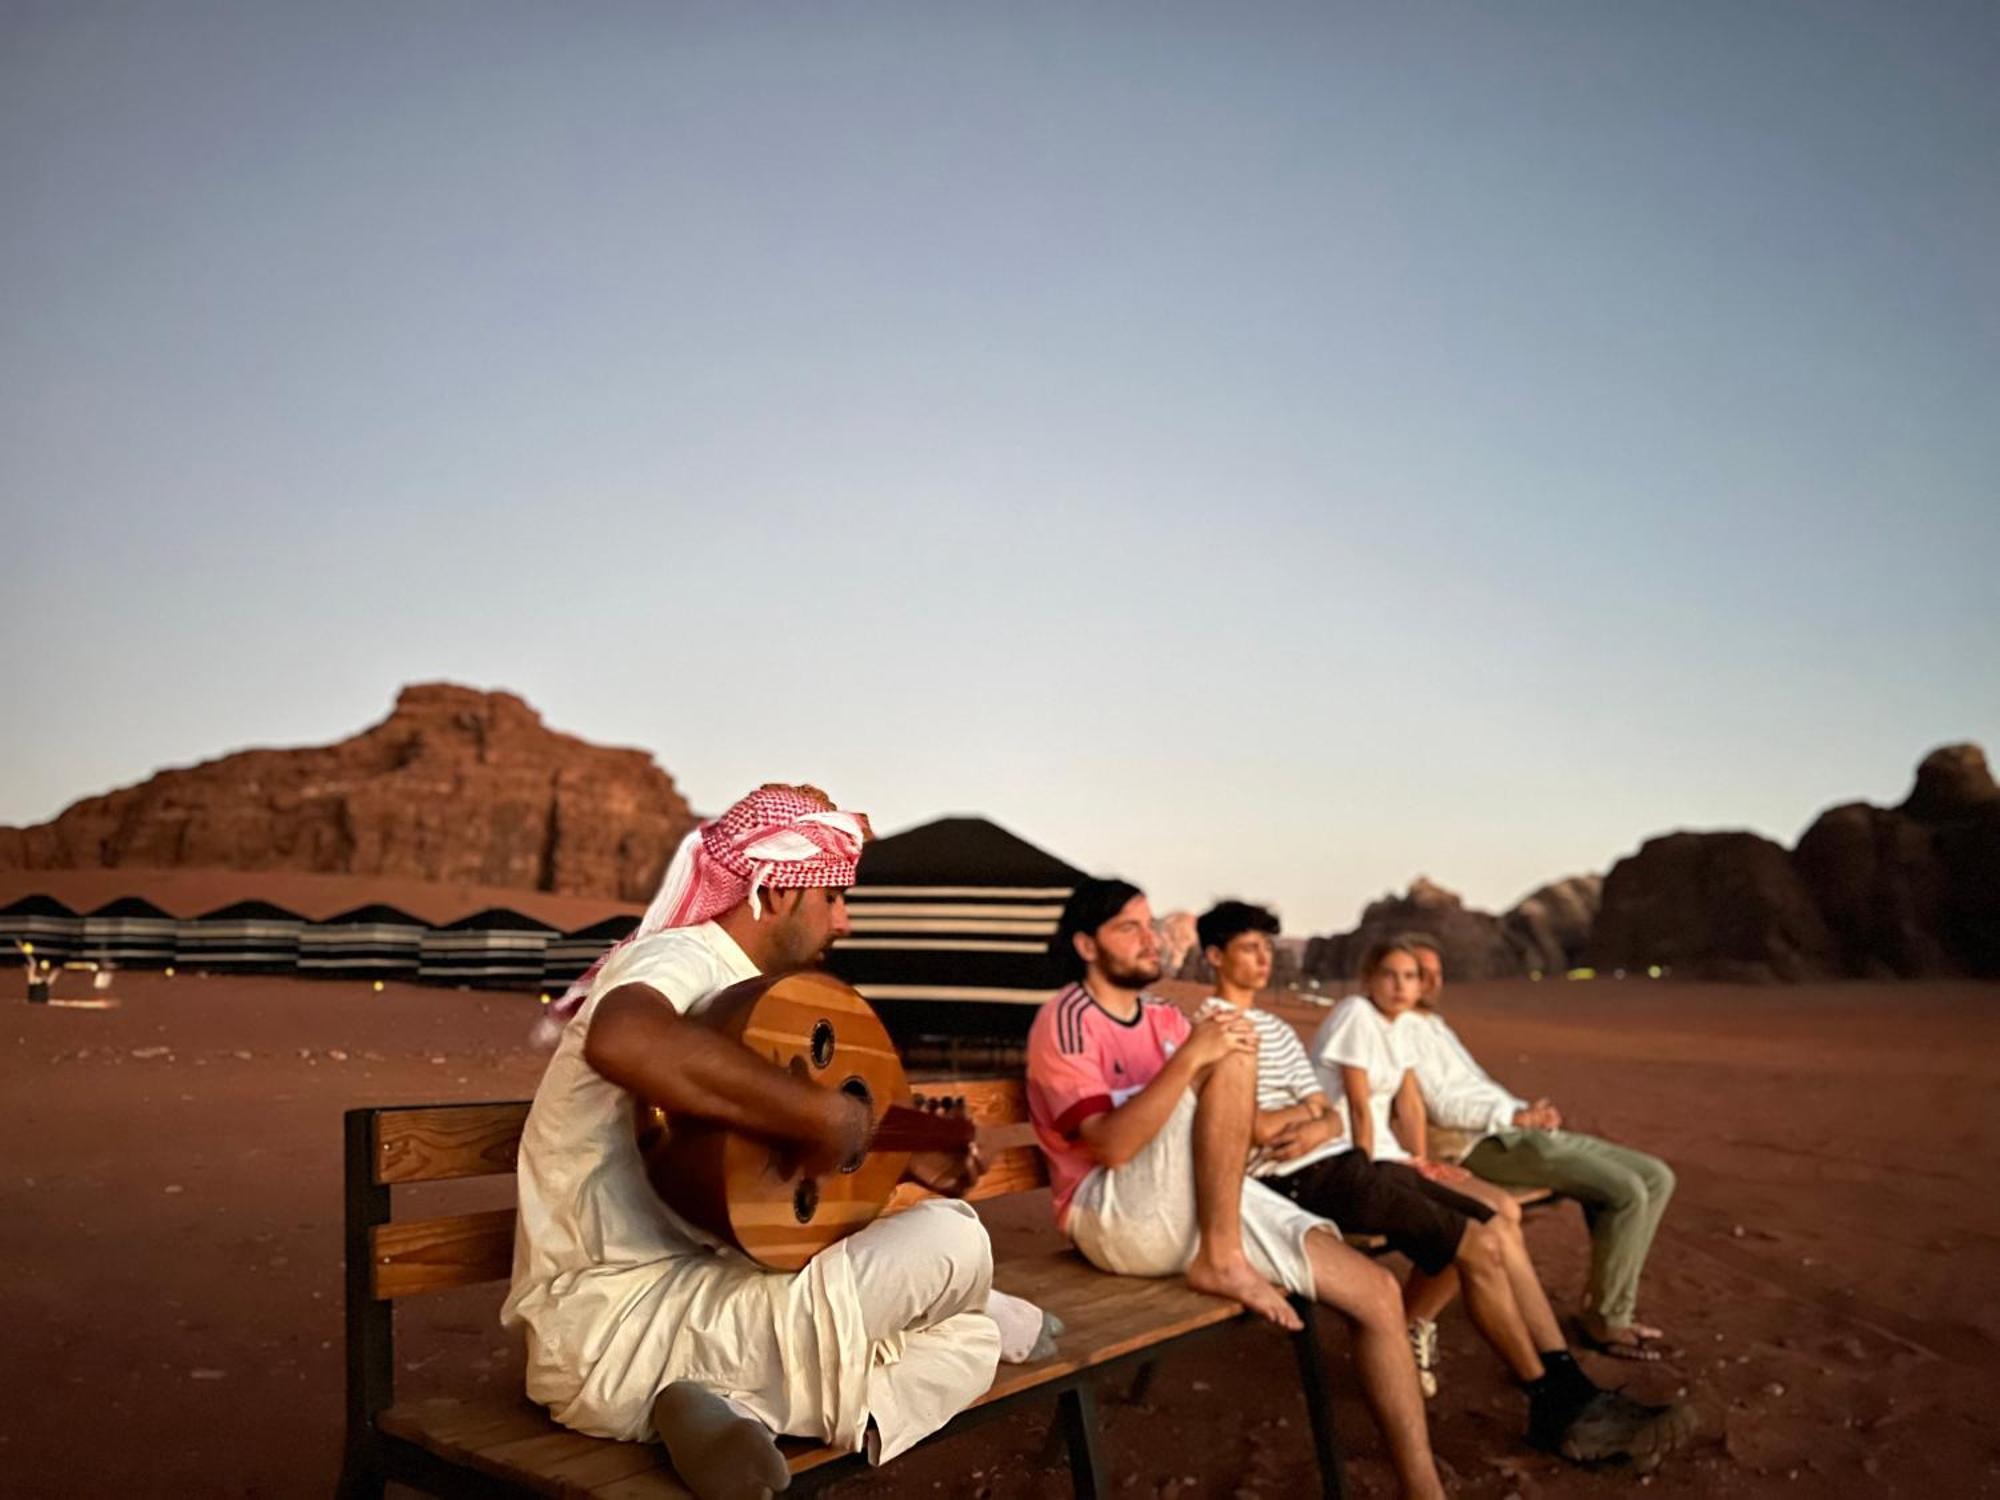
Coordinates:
1082	1061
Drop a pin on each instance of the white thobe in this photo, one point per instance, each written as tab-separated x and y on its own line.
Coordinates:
619	1297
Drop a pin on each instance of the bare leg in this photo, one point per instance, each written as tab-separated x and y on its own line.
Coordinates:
1528	1294
1228	1098
1366	1295
1424	1297
1497	1198
1489	1299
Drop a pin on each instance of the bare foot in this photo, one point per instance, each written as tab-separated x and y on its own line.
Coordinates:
1236	1281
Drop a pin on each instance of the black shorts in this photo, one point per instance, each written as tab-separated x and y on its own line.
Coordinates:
1419	1218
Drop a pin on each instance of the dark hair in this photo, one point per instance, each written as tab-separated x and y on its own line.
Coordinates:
1090	906
1381	948
1226	920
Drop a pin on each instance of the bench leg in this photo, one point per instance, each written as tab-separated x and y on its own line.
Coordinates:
1319	1402
1077	1407
359	1479
1142	1383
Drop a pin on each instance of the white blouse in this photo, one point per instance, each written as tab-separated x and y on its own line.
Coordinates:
1357	1035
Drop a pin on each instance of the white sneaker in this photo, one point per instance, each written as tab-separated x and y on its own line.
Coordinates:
1424	1349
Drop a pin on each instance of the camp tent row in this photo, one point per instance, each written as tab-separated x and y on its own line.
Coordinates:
951	925
493	949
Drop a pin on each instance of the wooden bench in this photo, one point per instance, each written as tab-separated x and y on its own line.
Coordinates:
505	1445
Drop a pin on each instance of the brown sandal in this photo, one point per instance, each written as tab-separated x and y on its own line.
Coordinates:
1634	1346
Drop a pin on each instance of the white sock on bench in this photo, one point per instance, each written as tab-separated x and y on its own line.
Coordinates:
719	1450
1026	1332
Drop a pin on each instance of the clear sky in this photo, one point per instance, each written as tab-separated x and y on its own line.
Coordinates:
1255	449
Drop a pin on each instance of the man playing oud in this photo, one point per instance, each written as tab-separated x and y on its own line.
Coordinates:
639	1324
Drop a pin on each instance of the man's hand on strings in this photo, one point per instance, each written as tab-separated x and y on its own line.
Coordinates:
950	1173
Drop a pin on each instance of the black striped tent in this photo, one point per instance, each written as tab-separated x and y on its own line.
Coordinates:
370	942
567	956
247	937
951	928
55	931
129	933
493	949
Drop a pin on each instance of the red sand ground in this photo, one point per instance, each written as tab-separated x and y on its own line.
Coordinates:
170	1247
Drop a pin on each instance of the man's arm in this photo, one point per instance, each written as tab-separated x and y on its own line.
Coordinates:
1457	1092
638	1041
1271	1123
1115	1136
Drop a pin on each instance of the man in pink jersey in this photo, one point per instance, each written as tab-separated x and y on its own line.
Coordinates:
1145	1118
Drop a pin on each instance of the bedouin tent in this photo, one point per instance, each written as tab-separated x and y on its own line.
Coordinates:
952	922
246	937
55	931
495	949
370	942
130	933
567	956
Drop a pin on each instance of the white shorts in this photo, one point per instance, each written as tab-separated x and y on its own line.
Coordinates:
1139	1219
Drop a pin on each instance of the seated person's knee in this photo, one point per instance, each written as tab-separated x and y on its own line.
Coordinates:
1381	1293
1479	1248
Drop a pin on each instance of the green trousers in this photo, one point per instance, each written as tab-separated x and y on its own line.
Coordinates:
1624	1193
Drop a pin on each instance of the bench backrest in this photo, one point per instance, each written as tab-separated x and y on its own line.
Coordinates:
401	1147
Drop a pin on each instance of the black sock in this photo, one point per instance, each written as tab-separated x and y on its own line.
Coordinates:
1562	1390
1560	1366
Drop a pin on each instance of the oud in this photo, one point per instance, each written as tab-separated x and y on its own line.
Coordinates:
749	1191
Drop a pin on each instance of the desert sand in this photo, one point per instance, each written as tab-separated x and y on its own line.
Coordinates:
170	1246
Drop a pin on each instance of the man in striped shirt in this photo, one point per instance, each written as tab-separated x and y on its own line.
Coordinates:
1301	1150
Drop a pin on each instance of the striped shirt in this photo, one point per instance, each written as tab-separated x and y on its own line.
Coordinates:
1285	1077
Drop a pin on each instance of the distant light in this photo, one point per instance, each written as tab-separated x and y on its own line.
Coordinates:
1654	972
1536	975
170	971
1581	974
378	986
28	948
545	999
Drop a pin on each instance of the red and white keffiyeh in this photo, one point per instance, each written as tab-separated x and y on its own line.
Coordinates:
777	838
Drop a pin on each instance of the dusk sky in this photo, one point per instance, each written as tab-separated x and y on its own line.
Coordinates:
1266	450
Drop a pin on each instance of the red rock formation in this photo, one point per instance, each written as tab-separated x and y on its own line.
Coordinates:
1475	944
1551	926
1881	886
1712	906
455	785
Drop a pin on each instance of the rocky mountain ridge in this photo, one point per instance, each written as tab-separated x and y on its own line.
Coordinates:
455	784
1908	892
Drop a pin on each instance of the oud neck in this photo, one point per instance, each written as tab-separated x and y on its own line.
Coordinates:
905	1129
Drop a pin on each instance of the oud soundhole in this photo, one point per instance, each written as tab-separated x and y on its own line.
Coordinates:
822	1044
856	1087
805	1200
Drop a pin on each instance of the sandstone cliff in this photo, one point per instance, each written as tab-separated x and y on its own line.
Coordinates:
1870	892
455	785
1475	944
